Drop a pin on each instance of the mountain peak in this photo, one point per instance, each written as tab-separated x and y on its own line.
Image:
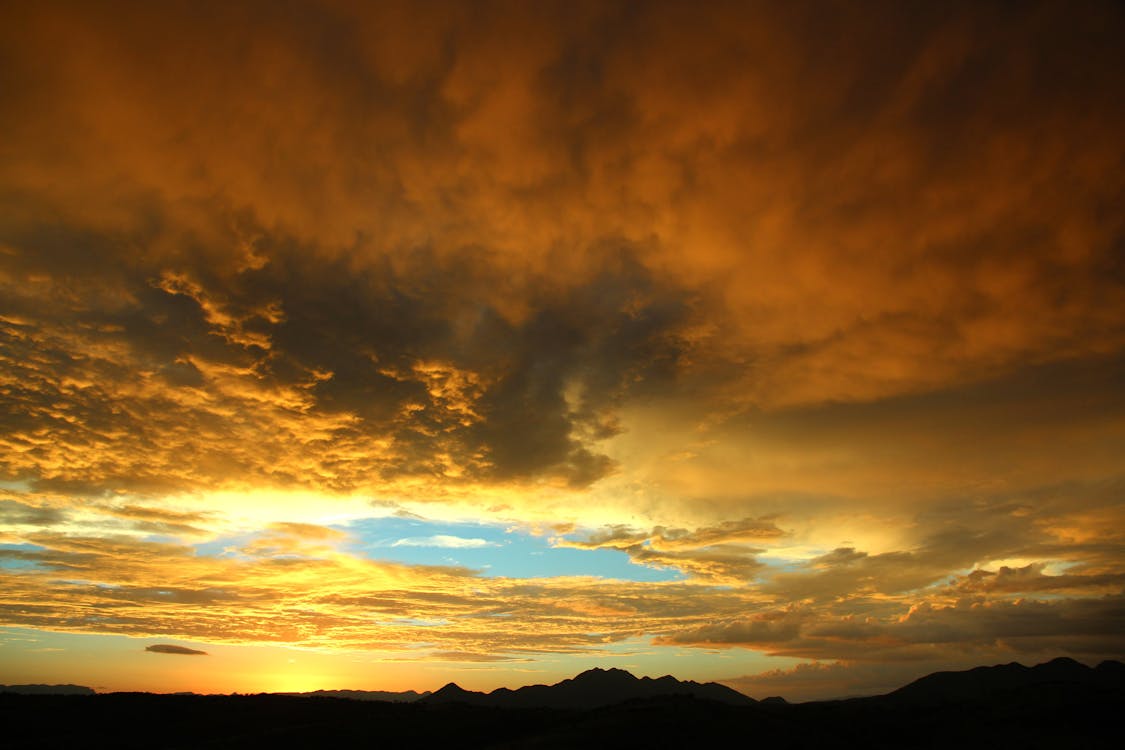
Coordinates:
453	693
1062	668
613	673
590	689
451	688
986	682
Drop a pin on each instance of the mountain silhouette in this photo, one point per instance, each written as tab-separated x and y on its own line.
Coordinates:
47	689
408	696
454	693
984	683
593	688
1060	704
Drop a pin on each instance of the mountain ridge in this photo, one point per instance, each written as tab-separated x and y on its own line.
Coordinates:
600	687
390	696
38	689
593	688
1057	704
989	681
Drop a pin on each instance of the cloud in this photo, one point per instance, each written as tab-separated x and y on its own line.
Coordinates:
305	596
754	530
881	632
330	386
444	540
1031	578
861	262
769	628
16	513
332	602
287	539
718	554
308	531
464	656
167	648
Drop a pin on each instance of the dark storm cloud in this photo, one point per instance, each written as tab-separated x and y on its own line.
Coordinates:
572	362
347	343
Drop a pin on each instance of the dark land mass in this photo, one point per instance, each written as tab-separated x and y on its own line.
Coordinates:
1060	704
48	689
595	688
408	696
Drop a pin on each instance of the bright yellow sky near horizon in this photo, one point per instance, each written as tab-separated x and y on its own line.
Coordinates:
378	345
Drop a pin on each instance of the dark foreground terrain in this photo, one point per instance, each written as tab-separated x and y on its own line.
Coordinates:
1061	704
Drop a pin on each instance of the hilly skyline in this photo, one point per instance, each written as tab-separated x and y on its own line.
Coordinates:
1061	703
599	688
378	345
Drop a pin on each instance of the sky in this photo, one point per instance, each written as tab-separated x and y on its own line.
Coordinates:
378	345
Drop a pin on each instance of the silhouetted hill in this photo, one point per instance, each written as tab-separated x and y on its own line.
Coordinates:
454	693
591	689
1111	670
984	683
1061	704
408	696
47	689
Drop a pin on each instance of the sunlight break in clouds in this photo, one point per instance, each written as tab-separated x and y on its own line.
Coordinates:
780	344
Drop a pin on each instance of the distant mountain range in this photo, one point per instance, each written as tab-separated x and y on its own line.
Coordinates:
1060	704
47	689
983	683
591	689
596	688
365	695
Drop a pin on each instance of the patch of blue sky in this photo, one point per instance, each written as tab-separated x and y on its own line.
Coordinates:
14	560
494	550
